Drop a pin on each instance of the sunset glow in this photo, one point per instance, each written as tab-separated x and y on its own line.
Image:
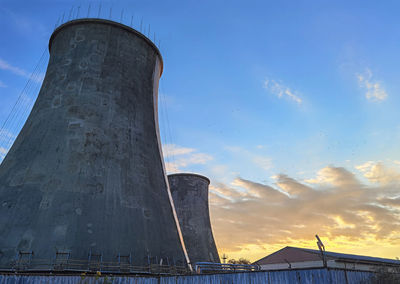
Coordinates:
291	109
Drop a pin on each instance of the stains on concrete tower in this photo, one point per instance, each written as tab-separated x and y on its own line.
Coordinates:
190	194
85	177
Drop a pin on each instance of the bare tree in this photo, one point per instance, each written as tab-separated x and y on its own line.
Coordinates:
239	261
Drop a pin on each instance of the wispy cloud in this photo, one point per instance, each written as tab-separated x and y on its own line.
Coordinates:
6	140
334	204
27	26
374	89
263	162
174	150
4	65
333	176
3	153
255	158
179	157
17	71
2	85
280	90
377	172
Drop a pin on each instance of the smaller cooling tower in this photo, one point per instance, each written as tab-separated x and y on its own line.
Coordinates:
190	195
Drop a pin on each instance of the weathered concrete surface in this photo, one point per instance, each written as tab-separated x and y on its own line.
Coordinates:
190	194
86	173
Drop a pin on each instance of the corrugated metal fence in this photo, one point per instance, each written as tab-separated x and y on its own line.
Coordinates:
312	276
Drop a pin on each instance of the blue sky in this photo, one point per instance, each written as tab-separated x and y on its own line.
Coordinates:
253	91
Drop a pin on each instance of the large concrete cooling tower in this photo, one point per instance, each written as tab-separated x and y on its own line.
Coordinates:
85	177
190	194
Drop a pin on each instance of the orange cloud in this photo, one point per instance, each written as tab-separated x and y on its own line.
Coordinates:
178	158
252	219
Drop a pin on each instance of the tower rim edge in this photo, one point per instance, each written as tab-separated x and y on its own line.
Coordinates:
190	174
107	22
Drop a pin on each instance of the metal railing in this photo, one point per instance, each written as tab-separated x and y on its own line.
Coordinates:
67	265
27	262
210	267
74	266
